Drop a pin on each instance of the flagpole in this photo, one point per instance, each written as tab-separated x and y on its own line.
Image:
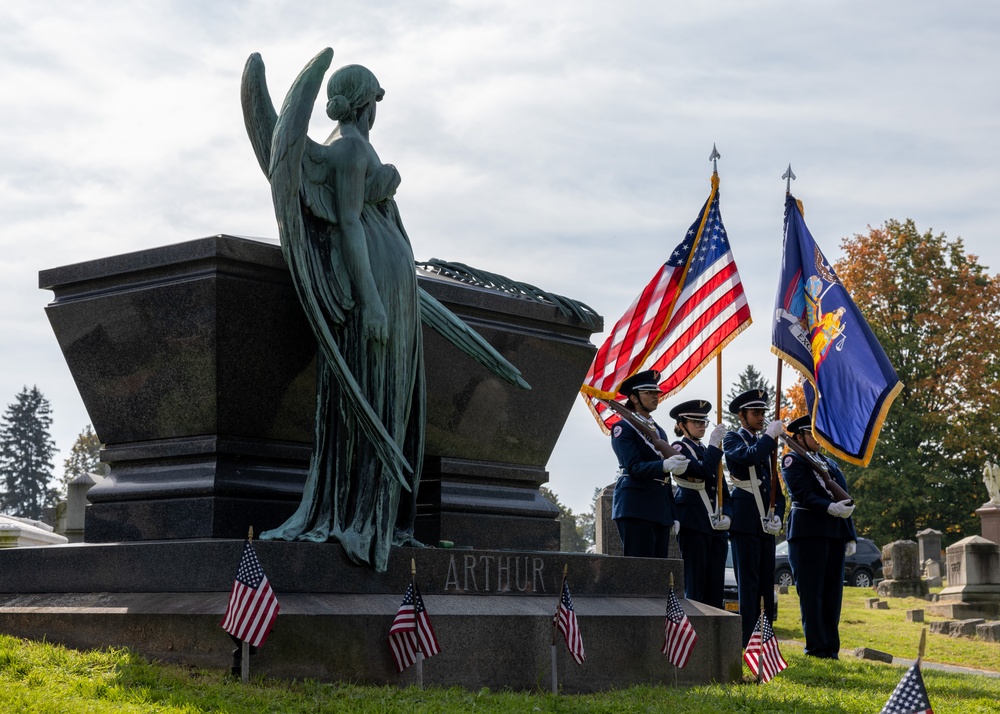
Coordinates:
774	457
789	177
555	625
923	643
760	653
718	402
416	627
714	158
672	590
244	645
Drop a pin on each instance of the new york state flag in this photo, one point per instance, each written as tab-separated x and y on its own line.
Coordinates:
817	328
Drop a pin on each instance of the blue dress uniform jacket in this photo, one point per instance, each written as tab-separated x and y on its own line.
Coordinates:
753	549
816	542
703	463
744	450
703	548
637	494
808	517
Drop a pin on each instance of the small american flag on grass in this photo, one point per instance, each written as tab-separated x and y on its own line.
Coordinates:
909	696
253	608
411	623
762	655
679	636
566	617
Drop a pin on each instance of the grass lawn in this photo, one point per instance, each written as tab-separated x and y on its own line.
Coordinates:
888	631
38	677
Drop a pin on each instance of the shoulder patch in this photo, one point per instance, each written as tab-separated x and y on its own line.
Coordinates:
617	431
788	461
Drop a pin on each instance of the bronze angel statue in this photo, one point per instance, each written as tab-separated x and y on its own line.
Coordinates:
353	271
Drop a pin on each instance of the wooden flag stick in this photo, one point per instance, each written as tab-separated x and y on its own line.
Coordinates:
760	650
416	626
555	625
244	645
923	644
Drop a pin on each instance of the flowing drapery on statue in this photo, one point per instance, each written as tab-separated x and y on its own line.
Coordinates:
819	330
353	271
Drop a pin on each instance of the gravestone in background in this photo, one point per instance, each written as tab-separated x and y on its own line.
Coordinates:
989	517
607	539
929	545
973	580
901	567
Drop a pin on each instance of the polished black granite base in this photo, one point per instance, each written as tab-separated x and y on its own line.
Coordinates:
197	368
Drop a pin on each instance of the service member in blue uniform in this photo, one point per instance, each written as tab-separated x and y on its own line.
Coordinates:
820	535
752	533
703	536
643	503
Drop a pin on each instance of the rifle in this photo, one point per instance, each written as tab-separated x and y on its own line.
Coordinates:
646	427
819	467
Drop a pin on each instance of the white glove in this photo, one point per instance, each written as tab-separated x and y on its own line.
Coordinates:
677	528
675	465
775	428
840	509
772	526
851	548
722	523
717	434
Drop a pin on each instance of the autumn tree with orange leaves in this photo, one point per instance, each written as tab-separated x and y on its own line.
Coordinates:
936	312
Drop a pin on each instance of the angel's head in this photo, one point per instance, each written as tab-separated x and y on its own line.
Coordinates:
351	91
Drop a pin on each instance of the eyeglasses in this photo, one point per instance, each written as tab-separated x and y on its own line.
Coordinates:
697	422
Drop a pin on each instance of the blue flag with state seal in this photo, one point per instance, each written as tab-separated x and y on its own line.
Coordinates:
849	382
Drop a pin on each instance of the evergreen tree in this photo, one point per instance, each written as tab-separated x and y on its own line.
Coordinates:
84	457
586	523
26	456
570	538
749	378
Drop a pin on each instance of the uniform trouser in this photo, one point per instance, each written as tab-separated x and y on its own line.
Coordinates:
753	561
818	568
643	539
704	566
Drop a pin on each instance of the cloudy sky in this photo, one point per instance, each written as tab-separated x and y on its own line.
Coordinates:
561	143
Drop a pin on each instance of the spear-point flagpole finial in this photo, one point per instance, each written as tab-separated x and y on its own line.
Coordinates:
714	158
789	177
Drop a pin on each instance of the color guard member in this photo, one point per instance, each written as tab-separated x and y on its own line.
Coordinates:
643	503
820	535
703	537
752	532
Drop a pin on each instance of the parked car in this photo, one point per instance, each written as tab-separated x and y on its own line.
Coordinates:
861	570
730	593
